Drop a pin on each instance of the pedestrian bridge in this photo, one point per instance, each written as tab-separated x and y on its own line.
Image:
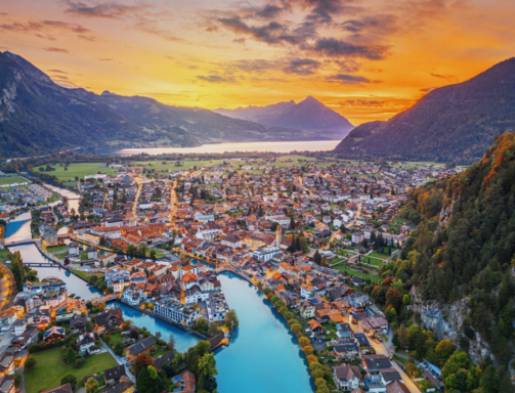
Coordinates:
41	264
25	242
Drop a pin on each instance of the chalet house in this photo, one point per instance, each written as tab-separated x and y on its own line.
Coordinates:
346	348
164	360
373	364
396	387
108	320
78	323
389	375
347	377
185	382
7	365
140	347
86	342
124	386
307	310
53	334
375	324
113	375
7	385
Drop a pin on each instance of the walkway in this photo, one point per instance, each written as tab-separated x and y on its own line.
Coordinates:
121	360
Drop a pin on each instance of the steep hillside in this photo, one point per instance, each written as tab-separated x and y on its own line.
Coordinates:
464	246
314	119
455	123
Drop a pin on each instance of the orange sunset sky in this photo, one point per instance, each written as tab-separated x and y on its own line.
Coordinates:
367	59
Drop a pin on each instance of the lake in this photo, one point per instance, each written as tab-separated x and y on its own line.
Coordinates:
272	147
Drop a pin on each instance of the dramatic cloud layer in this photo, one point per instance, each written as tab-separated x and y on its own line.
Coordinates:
368	59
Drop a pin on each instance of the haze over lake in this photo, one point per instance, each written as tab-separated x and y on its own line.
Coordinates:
272	147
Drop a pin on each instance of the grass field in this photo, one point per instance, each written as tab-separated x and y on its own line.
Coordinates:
114	339
12	179
175	165
58	251
86	275
415	164
367	276
293	160
76	170
50	369
376	259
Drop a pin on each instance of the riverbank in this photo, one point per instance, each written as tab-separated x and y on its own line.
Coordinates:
157	316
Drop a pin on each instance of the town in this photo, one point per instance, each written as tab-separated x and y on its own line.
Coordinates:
310	234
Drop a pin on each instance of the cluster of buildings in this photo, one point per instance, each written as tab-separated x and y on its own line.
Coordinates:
177	292
22	194
33	312
146	235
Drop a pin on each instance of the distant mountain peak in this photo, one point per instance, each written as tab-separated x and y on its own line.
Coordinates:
310	99
308	114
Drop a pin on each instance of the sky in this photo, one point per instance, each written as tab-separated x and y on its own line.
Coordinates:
366	59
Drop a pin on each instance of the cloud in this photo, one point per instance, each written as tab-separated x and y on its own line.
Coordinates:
215	78
271	32
42	28
380	24
57	71
363	35
446	77
56	50
339	48
349	79
268	11
152	28
302	66
104	9
347	65
254	65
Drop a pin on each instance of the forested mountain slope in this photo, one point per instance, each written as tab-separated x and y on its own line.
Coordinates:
463	248
454	123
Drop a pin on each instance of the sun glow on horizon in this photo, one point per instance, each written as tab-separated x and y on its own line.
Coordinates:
366	59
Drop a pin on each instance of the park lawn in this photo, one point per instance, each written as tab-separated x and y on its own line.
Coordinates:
58	251
378	255
415	164
77	170
50	369
12	180
376	263
171	165
114	339
159	253
367	276
292	160
346	252
86	275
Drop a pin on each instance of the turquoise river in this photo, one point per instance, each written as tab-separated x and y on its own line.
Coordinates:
263	356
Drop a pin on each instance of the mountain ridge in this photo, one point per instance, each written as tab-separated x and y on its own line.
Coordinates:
38	115
453	123
308	113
